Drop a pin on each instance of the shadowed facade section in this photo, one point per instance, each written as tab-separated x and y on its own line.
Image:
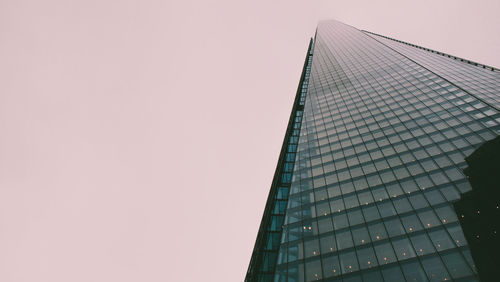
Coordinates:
479	209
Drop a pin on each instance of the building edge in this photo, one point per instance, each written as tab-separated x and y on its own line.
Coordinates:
265	253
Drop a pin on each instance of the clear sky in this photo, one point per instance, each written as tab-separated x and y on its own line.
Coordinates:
138	139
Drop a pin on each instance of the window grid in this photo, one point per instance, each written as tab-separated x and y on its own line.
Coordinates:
384	135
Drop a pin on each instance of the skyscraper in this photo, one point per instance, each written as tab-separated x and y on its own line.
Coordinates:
372	162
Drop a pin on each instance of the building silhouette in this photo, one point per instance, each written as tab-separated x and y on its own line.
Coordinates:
479	210
372	163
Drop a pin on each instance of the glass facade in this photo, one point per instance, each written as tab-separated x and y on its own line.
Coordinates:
385	129
263	261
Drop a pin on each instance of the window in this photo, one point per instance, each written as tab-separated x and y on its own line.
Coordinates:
340	221
370	213
404	249
428	218
386	209
385	254
331	266
337	205
365	197
348	262
360	236
402	205
434	197
344	239
351	201
323	209
394	227
440	239
372	276
422	244
313	270
435	269
456	265
355	217
393	273
411	223
413	271
311	248
418	201
366	257
325	225
377	231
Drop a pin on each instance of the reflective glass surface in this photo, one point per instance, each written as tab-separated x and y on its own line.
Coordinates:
383	138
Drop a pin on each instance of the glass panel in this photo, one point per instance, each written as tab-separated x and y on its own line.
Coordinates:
446	214
380	194
413	271
365	198
355	217
377	231
418	201
394	227
371	213
428	218
313	270
435	269
353	278
401	204
457	235
393	273
434	197
323	209
331	266
440	239
344	239
296	273
366	257
311	248
468	257
386	209
340	221
325	225
280	275
422	244
337	205
328	244
456	265
348	262
360	235
403	248
385	254
411	223
373	276
351	201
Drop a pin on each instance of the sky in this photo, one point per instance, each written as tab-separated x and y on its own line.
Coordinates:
138	139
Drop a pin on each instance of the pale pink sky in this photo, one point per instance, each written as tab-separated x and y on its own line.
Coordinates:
138	139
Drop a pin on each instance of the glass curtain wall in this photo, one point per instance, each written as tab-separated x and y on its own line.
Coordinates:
385	130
